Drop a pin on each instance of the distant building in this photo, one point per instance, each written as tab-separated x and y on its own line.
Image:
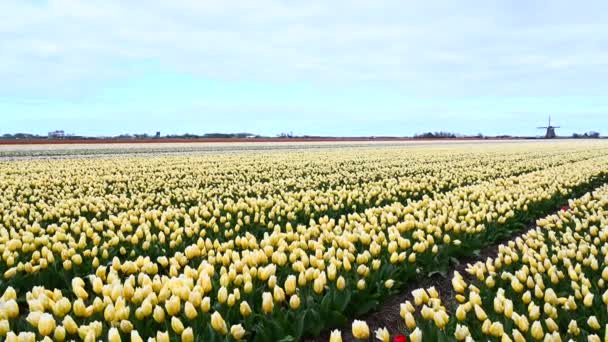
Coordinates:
56	135
157	135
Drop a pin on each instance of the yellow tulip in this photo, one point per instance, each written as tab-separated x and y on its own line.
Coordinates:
416	335
187	335
11	309
177	325
340	283
59	333
496	329
573	328
458	284
206	304
461	332
508	308
46	324
70	325
62	307
461	313
159	314
162	336
410	322
290	285
551	325
237	332
80	292
4	327
537	331
294	302
222	295
278	294
218	324
173	306
485	327
441	319
588	300
427	313
135	337
245	309
108	313
420	297
593	338
27	337
383	335
360	330
593	323
335	336
113	335
517	336
126	326
9	294
190	311
480	313
267	302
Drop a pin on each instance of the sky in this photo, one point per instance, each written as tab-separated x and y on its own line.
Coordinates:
317	67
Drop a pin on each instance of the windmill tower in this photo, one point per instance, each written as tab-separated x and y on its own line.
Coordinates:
550	130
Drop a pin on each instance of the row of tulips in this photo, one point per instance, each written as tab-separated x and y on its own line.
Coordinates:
244	192
156	232
548	285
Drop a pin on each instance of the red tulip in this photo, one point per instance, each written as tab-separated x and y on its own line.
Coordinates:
400	338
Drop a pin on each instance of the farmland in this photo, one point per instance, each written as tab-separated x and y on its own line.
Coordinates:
549	283
268	243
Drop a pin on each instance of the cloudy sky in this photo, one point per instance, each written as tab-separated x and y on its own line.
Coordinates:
312	67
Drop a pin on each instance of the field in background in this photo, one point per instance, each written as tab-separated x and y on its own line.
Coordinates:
72	149
221	140
269	242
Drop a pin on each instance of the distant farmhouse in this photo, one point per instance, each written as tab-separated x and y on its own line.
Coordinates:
57	135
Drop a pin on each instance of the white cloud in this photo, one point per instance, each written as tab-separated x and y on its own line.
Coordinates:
492	47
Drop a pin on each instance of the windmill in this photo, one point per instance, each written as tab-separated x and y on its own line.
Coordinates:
550	130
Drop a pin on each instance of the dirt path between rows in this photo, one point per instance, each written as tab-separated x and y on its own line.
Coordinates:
387	315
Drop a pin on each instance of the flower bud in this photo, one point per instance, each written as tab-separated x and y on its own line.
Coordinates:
537	331
267	303
187	335
294	302
237	332
335	336
360	330
218	324
290	285
46	324
245	309
113	335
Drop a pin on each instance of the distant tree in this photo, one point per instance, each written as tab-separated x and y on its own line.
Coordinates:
436	135
285	135
591	134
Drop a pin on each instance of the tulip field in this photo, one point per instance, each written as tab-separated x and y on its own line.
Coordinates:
288	244
548	285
